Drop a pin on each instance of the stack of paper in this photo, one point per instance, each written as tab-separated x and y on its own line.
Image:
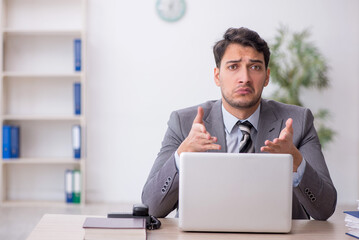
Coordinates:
352	222
115	228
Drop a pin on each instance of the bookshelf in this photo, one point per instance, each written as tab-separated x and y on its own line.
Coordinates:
37	75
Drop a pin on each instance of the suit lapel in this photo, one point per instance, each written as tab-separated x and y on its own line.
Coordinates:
215	126
269	126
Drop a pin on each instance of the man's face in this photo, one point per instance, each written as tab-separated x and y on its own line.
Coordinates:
241	77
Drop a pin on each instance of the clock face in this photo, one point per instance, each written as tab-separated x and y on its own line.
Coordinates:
171	10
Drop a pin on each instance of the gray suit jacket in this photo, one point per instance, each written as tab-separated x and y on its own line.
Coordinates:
315	195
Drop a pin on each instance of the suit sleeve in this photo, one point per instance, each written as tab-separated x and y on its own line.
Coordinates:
316	192
160	191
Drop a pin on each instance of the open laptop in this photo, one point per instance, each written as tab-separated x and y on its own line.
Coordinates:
233	192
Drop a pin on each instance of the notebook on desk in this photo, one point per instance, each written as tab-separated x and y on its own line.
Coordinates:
232	192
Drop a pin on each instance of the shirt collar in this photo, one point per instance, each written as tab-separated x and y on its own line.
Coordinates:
230	120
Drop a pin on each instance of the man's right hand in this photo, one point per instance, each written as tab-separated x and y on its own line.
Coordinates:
198	139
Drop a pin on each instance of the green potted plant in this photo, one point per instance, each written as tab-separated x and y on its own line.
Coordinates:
297	64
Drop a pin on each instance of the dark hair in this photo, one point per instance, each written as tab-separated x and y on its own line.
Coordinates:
244	37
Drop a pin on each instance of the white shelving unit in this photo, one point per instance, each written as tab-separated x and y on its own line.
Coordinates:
36	92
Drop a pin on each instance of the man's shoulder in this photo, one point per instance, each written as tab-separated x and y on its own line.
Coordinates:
279	106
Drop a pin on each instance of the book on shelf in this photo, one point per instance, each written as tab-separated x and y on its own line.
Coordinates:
6	141
77	98
72	186
76	141
77	54
352	223
11	141
76	195
15	136
68	185
114	228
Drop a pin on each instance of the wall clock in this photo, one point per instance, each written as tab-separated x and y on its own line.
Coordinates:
171	10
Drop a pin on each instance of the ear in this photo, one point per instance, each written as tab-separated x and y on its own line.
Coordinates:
216	76
267	78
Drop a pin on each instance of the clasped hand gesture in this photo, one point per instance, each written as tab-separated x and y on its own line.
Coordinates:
198	139
284	144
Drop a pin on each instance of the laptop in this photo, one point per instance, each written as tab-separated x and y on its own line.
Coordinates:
234	192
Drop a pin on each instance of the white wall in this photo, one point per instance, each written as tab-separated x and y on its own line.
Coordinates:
141	68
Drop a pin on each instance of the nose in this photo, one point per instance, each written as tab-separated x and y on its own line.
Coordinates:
243	76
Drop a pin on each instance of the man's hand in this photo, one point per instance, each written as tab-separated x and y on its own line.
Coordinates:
198	139
284	144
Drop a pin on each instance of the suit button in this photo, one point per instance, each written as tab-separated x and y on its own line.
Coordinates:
169	179
306	190
166	183
313	199
163	190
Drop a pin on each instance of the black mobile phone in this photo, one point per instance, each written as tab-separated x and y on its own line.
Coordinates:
139	211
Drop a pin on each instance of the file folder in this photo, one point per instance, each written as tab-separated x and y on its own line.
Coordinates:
76	141
77	98
6	141
15	143
76	196
68	185
77	54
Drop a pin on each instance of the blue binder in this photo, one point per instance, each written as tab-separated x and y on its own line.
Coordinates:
15	143
68	185
76	141
77	54
77	98
6	141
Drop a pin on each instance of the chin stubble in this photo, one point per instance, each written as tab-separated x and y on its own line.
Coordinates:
241	105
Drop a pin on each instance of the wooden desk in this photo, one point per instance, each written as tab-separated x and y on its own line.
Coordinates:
69	227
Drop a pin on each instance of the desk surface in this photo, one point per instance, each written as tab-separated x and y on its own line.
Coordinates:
66	227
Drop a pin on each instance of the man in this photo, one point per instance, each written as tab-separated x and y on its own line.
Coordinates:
241	73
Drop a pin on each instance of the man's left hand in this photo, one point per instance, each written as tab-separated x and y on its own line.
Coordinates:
284	144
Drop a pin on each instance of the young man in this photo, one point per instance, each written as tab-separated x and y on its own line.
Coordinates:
244	122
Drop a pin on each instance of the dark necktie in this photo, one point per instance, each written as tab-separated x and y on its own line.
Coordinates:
246	144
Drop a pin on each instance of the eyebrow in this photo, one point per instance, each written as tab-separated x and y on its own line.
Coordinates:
256	61
240	60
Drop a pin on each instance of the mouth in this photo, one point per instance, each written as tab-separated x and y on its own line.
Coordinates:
243	90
